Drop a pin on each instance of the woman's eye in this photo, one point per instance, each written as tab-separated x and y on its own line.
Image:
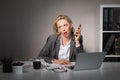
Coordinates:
59	26
65	24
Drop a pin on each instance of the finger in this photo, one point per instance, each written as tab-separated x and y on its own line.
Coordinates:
63	62
77	32
67	62
57	61
78	29
75	35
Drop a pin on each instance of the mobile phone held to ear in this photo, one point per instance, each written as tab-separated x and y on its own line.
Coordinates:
79	26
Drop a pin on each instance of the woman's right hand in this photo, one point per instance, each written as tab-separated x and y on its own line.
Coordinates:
77	35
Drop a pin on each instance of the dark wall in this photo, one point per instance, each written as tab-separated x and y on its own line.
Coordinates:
26	24
18	28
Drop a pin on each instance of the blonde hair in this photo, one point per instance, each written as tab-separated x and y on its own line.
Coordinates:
60	17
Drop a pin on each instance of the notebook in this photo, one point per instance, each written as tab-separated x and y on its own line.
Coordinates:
88	61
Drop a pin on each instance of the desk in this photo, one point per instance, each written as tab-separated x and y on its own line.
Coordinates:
108	71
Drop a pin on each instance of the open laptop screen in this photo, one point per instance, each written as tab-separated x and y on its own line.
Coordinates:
89	60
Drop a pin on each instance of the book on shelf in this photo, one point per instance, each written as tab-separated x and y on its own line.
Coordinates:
109	43
117	46
107	19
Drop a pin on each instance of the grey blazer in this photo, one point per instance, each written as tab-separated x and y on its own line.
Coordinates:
51	48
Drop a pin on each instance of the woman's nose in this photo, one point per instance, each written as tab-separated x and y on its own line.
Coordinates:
63	29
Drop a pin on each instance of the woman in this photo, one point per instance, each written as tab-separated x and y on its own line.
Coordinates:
63	46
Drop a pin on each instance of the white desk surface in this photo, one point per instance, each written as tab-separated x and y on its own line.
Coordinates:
108	71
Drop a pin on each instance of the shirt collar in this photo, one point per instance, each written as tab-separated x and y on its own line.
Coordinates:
72	37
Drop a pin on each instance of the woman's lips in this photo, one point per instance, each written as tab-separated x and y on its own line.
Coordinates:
65	33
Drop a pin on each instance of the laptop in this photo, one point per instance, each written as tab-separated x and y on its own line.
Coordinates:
88	61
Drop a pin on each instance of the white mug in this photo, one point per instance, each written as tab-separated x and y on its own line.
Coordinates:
18	69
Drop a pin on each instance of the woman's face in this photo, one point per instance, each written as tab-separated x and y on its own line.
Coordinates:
64	27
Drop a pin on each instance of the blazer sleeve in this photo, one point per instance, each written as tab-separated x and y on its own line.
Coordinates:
47	52
80	48
44	53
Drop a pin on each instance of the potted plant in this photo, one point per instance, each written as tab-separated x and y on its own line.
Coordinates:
7	64
18	63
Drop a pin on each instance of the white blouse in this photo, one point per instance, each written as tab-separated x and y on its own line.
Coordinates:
64	51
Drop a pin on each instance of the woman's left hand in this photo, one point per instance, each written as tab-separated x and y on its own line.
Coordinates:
63	62
77	35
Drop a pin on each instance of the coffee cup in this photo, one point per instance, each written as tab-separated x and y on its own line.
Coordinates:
36	64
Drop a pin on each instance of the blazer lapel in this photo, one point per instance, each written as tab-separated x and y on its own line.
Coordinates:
71	46
71	49
57	47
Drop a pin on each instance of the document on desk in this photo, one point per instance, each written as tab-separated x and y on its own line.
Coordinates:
53	66
59	67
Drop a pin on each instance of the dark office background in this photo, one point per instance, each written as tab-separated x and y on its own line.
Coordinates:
26	24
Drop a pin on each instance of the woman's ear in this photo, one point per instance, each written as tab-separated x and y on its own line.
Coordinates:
58	31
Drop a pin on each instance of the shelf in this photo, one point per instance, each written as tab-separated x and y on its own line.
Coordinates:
112	59
111	31
110	5
112	55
